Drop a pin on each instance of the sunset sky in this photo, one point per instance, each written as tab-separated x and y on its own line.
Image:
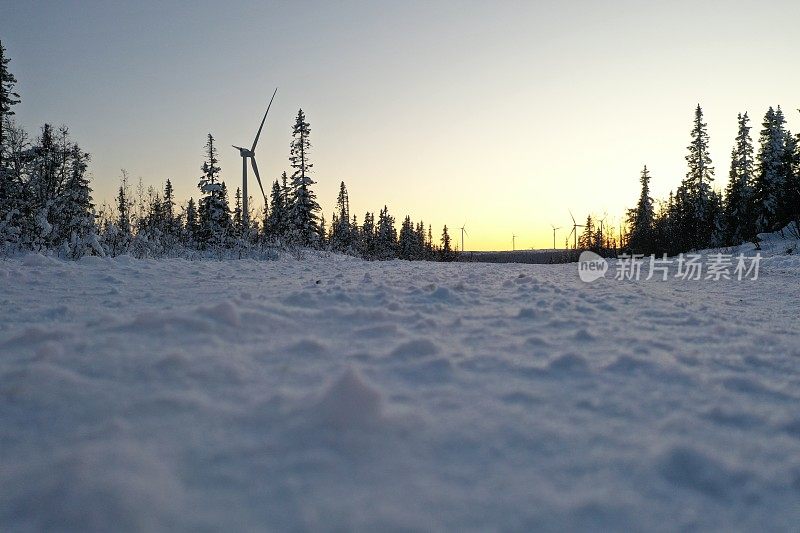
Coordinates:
503	115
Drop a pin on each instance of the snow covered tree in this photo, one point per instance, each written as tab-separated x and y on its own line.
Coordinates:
446	252
213	213
385	236
8	99
14	190
641	220
368	245
340	230
739	224
769	182
790	170
303	206
695	193
168	206
192	227
275	226
238	227
78	230
407	242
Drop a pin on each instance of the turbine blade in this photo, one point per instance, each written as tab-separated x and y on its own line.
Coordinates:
570	214
258	177
255	142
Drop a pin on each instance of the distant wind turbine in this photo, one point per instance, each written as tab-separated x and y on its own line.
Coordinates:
575	227
251	154
463	231
554	235
513	243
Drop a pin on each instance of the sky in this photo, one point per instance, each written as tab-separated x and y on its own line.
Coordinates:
503	115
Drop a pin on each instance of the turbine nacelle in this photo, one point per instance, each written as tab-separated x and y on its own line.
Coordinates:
245	152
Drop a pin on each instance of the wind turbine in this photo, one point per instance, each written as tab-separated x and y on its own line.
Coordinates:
463	231
251	154
575	227
554	235
513	242
605	216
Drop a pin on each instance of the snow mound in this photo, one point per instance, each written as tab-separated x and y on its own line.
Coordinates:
350	403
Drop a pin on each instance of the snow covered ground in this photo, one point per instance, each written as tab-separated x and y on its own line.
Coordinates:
331	393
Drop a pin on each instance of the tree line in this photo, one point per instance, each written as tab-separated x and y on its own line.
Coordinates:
762	194
46	205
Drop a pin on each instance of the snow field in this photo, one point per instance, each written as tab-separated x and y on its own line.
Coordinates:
331	393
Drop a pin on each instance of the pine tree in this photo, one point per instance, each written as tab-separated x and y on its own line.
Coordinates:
192	225
76	210
322	237
275	228
446	253
738	210
699	221
368	236
14	190
386	236
341	233
303	206
641	220
407	240
213	212
790	171
168	204
355	236
769	180
586	241
238	228
8	99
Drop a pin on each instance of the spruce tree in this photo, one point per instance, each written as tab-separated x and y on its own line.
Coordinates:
386	236
303	206
76	209
586	240
341	232
790	171
274	228
641	220
238	228
168	204
407	240
697	210
192	227
368	236
446	252
213	213
8	99
739	223
769	179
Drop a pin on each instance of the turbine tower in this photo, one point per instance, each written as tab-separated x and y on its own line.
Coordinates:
463	231
575	227
554	235
251	154
513	242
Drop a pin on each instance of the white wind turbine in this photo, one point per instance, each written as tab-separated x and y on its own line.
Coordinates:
575	227
251	154
554	235
463	231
